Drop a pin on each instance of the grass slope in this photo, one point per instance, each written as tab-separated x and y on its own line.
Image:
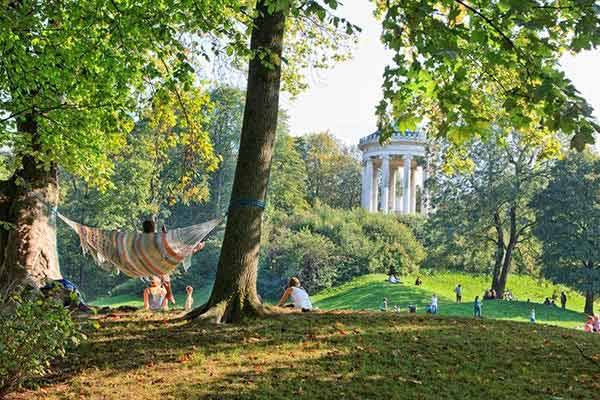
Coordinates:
341	355
367	293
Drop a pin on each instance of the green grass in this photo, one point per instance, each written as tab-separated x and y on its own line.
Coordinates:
367	293
334	355
200	296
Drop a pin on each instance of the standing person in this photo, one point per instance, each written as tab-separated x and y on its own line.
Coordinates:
458	291
563	300
297	294
434	304
189	301
532	316
384	305
477	307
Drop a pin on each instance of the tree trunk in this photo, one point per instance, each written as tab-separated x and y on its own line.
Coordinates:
234	294
506	263
28	236
589	302
499	250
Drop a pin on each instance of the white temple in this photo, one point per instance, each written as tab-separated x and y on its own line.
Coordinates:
393	173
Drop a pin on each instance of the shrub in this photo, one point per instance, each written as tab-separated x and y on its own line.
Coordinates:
325	247
33	332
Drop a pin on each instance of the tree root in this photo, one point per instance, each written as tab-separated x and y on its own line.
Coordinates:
590	359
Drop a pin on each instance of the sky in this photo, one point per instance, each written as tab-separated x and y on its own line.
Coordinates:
343	99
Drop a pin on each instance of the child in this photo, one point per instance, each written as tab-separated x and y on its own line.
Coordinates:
532	316
384	305
477	307
434	304
189	301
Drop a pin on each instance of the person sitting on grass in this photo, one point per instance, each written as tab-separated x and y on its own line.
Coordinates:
547	301
418	281
589	324
393	279
477	307
298	295
155	296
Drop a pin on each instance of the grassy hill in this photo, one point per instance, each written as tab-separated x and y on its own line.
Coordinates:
334	355
367	293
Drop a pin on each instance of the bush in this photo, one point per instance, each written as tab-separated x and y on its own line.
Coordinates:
33	332
326	247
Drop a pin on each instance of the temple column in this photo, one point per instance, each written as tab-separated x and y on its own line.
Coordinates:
374	190
413	190
398	200
367	183
385	180
423	195
393	177
406	184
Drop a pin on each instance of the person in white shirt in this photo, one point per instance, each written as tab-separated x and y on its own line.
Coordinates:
458	291
434	304
297	294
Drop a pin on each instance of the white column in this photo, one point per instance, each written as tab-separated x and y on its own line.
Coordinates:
413	190
374	190
422	174
367	183
392	202
398	198
385	180
406	184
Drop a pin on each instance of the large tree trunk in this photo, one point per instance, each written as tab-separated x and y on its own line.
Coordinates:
234	294
589	302
27	235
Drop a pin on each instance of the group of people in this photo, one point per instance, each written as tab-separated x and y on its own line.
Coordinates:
552	302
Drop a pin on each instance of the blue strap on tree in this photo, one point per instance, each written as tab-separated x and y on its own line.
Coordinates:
236	203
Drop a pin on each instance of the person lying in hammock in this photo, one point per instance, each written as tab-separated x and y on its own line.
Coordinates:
155	296
299	296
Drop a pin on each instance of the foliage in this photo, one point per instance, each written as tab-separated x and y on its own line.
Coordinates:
81	70
333	169
568	211
325	247
323	355
482	220
468	68
32	335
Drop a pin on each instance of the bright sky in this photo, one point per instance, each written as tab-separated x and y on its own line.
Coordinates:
343	99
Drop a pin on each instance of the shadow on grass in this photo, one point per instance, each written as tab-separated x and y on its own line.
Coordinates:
341	355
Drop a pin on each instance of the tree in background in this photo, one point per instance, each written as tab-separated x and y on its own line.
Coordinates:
333	169
72	78
481	216
568	215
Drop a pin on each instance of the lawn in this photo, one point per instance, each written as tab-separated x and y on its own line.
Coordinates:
367	293
344	355
136	300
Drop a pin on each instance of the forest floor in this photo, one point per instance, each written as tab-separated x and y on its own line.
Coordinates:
324	355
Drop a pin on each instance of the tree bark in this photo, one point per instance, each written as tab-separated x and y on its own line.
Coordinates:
589	302
510	247
234	294
28	236
499	249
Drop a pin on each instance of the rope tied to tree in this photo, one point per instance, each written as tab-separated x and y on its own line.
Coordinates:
237	203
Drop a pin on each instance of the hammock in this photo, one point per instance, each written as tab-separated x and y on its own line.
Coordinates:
142	254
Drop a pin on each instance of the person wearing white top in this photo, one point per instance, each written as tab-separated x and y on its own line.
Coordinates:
434	304
155	296
298	296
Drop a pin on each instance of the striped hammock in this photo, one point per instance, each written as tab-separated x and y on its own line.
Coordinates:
142	254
